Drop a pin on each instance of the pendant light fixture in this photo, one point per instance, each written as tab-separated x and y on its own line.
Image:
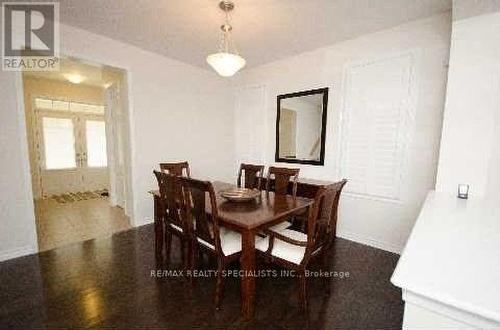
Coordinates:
227	61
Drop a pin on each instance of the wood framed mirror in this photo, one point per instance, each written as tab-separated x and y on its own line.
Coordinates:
301	127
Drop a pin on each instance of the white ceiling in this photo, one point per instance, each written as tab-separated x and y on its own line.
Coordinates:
264	30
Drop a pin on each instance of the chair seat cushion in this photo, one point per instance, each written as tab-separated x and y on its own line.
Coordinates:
280	226
284	250
230	242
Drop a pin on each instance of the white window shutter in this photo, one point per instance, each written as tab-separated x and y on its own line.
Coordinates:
376	116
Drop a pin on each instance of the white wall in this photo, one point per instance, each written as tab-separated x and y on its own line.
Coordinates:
376	222
178	112
17	229
470	147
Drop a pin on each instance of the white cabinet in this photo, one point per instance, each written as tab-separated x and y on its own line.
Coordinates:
450	268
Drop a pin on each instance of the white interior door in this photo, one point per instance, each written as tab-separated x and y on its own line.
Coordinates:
94	164
73	152
60	170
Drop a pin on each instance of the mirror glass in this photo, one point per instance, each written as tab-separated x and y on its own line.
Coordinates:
300	127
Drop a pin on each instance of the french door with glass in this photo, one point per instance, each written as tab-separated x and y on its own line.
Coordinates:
72	150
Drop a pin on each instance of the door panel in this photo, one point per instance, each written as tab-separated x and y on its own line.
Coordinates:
56	182
59	142
95	134
60	172
95	178
95	161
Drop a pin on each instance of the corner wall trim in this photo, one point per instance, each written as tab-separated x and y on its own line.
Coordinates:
16	253
386	246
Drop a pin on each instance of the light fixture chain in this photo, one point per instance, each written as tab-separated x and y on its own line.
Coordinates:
226	43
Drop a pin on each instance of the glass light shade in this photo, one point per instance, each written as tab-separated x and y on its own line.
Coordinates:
226	64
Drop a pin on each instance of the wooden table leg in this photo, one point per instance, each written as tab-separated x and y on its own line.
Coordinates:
248	267
158	226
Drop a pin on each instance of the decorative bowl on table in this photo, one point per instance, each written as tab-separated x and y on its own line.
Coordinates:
240	194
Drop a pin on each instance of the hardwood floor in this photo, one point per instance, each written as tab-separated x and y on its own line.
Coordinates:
107	283
60	224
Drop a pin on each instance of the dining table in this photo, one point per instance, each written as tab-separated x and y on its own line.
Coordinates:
248	219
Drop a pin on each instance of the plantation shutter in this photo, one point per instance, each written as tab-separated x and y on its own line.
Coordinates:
376	116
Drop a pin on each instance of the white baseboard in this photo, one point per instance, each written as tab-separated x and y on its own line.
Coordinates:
16	253
145	221
394	248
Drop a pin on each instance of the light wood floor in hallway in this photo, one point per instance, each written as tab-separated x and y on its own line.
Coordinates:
61	224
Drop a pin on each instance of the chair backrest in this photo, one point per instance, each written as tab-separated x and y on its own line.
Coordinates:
179	169
204	226
253	175
330	210
282	177
171	198
322	220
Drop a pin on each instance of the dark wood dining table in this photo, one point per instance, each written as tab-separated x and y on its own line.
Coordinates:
249	218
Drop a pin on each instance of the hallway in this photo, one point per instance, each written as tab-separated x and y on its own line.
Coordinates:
60	224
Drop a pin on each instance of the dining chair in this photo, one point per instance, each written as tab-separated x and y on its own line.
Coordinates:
300	220
252	175
331	205
208	236
294	249
281	177
170	189
179	168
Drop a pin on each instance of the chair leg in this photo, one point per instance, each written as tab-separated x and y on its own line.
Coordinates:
219	287
303	225
192	257
201	256
212	259
168	245
158	238
303	290
326	268
158	227
183	252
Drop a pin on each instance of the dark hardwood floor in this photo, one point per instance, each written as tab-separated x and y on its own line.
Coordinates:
107	283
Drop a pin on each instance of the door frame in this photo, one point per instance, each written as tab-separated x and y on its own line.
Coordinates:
23	137
114	118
